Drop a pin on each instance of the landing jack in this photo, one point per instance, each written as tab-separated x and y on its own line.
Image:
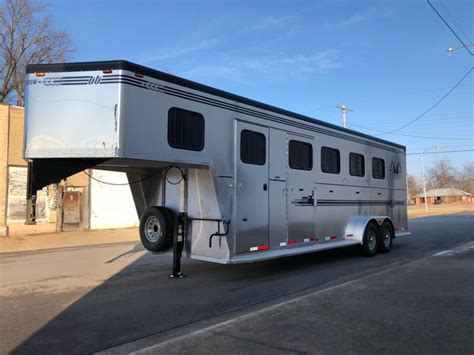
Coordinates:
178	243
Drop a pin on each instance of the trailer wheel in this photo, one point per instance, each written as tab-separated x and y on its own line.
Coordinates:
386	237
371	240
156	229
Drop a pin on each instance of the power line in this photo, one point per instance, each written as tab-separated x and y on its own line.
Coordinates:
432	106
450	28
369	100
454	20
447	151
415	136
445	146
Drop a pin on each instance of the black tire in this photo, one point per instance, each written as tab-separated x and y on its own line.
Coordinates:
385	237
371	240
156	229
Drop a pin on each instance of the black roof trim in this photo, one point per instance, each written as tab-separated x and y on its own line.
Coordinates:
125	65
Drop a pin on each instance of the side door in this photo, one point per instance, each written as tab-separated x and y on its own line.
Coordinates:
301	189
251	164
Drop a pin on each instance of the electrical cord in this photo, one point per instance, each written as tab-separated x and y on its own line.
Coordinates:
167	168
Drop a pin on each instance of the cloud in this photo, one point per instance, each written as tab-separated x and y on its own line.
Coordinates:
270	22
358	17
170	53
250	70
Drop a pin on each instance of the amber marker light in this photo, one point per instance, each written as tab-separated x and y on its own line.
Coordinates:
107	71
138	75
39	73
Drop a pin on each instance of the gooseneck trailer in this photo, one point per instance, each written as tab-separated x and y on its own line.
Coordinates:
229	179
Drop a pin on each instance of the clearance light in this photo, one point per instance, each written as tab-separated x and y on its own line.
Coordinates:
107	71
260	247
138	75
291	242
39	73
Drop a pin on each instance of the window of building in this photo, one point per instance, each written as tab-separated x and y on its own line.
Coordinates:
300	155
356	164
253	147
378	168
330	160
185	129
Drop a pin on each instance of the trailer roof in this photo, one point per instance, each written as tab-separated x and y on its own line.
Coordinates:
125	65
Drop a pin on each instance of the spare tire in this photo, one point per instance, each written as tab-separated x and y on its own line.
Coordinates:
156	229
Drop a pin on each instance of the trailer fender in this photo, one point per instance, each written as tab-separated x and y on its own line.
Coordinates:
356	226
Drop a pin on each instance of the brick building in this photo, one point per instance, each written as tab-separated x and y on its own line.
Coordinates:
77	203
446	195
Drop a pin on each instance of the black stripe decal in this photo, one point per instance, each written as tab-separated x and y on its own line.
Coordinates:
359	203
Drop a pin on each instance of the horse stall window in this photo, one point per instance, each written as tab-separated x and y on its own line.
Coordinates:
252	147
185	129
300	155
356	164
378	168
330	160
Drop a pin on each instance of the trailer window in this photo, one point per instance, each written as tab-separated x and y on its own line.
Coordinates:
378	168
330	160
185	129
356	164
253	147
300	155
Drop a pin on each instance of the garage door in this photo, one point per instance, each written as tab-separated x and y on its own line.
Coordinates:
111	206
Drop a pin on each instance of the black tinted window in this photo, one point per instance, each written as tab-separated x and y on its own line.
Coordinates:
300	155
185	129
252	147
330	160
378	168
356	164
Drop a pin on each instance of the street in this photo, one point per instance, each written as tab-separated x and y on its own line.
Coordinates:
119	298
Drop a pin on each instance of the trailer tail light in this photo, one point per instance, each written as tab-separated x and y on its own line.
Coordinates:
332	237
39	73
311	240
107	71
291	242
260	247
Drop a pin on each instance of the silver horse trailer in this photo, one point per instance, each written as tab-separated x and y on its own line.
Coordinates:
229	179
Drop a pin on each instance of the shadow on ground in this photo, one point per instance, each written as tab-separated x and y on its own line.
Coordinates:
141	300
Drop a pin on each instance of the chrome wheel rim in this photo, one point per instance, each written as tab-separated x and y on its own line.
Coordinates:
152	229
386	239
371	239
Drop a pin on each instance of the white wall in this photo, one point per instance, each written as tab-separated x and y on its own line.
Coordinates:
111	206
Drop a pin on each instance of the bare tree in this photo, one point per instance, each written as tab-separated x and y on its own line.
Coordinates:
442	174
465	180
26	36
413	186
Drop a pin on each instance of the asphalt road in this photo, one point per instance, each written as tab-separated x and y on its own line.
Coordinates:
88	299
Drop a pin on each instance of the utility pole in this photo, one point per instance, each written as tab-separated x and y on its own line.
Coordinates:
344	109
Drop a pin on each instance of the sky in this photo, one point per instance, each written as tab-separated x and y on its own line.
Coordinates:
386	60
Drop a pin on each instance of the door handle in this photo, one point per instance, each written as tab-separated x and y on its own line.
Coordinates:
265	187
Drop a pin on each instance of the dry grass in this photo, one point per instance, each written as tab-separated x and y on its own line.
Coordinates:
419	211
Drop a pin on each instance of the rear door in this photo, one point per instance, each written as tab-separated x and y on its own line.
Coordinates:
251	163
301	189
